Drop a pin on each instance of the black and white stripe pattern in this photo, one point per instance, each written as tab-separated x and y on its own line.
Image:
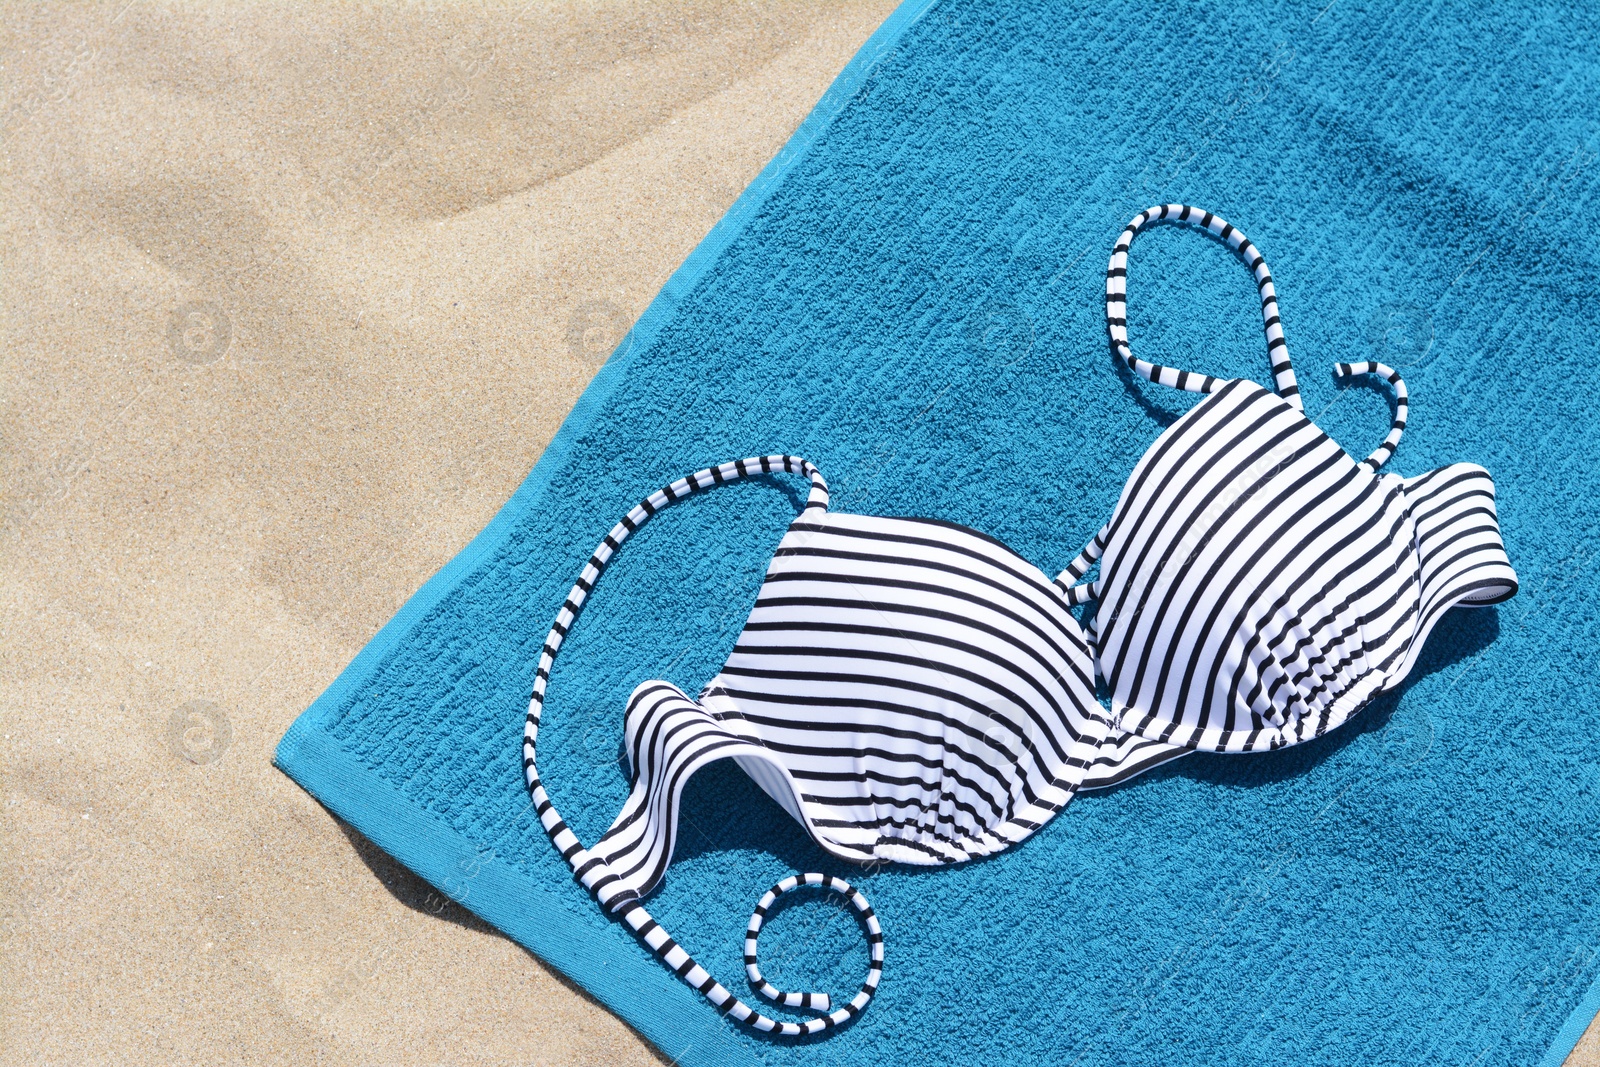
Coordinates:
591	871
907	689
923	692
1257	586
1082	593
1391	440
864	915
914	691
1117	307
1462	558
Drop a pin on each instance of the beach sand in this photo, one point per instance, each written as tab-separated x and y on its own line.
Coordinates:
294	297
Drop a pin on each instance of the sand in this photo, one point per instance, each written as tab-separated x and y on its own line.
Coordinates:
294	297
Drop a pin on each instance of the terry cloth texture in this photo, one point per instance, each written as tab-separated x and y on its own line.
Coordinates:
912	297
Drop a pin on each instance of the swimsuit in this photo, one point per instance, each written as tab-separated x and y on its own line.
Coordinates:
910	690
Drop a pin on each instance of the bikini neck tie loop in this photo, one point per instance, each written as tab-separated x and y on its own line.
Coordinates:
1117	306
1391	440
864	915
596	876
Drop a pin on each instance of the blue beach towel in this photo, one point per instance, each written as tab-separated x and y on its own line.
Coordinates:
911	296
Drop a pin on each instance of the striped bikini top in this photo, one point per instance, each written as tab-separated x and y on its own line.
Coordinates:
913	691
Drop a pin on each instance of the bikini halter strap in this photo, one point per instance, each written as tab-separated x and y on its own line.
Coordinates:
1117	306
595	875
1391	440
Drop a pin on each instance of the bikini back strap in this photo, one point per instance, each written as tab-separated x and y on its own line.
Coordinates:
1391	440
1117	306
593	873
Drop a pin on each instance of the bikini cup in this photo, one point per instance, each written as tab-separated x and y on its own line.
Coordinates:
913	691
1257	586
